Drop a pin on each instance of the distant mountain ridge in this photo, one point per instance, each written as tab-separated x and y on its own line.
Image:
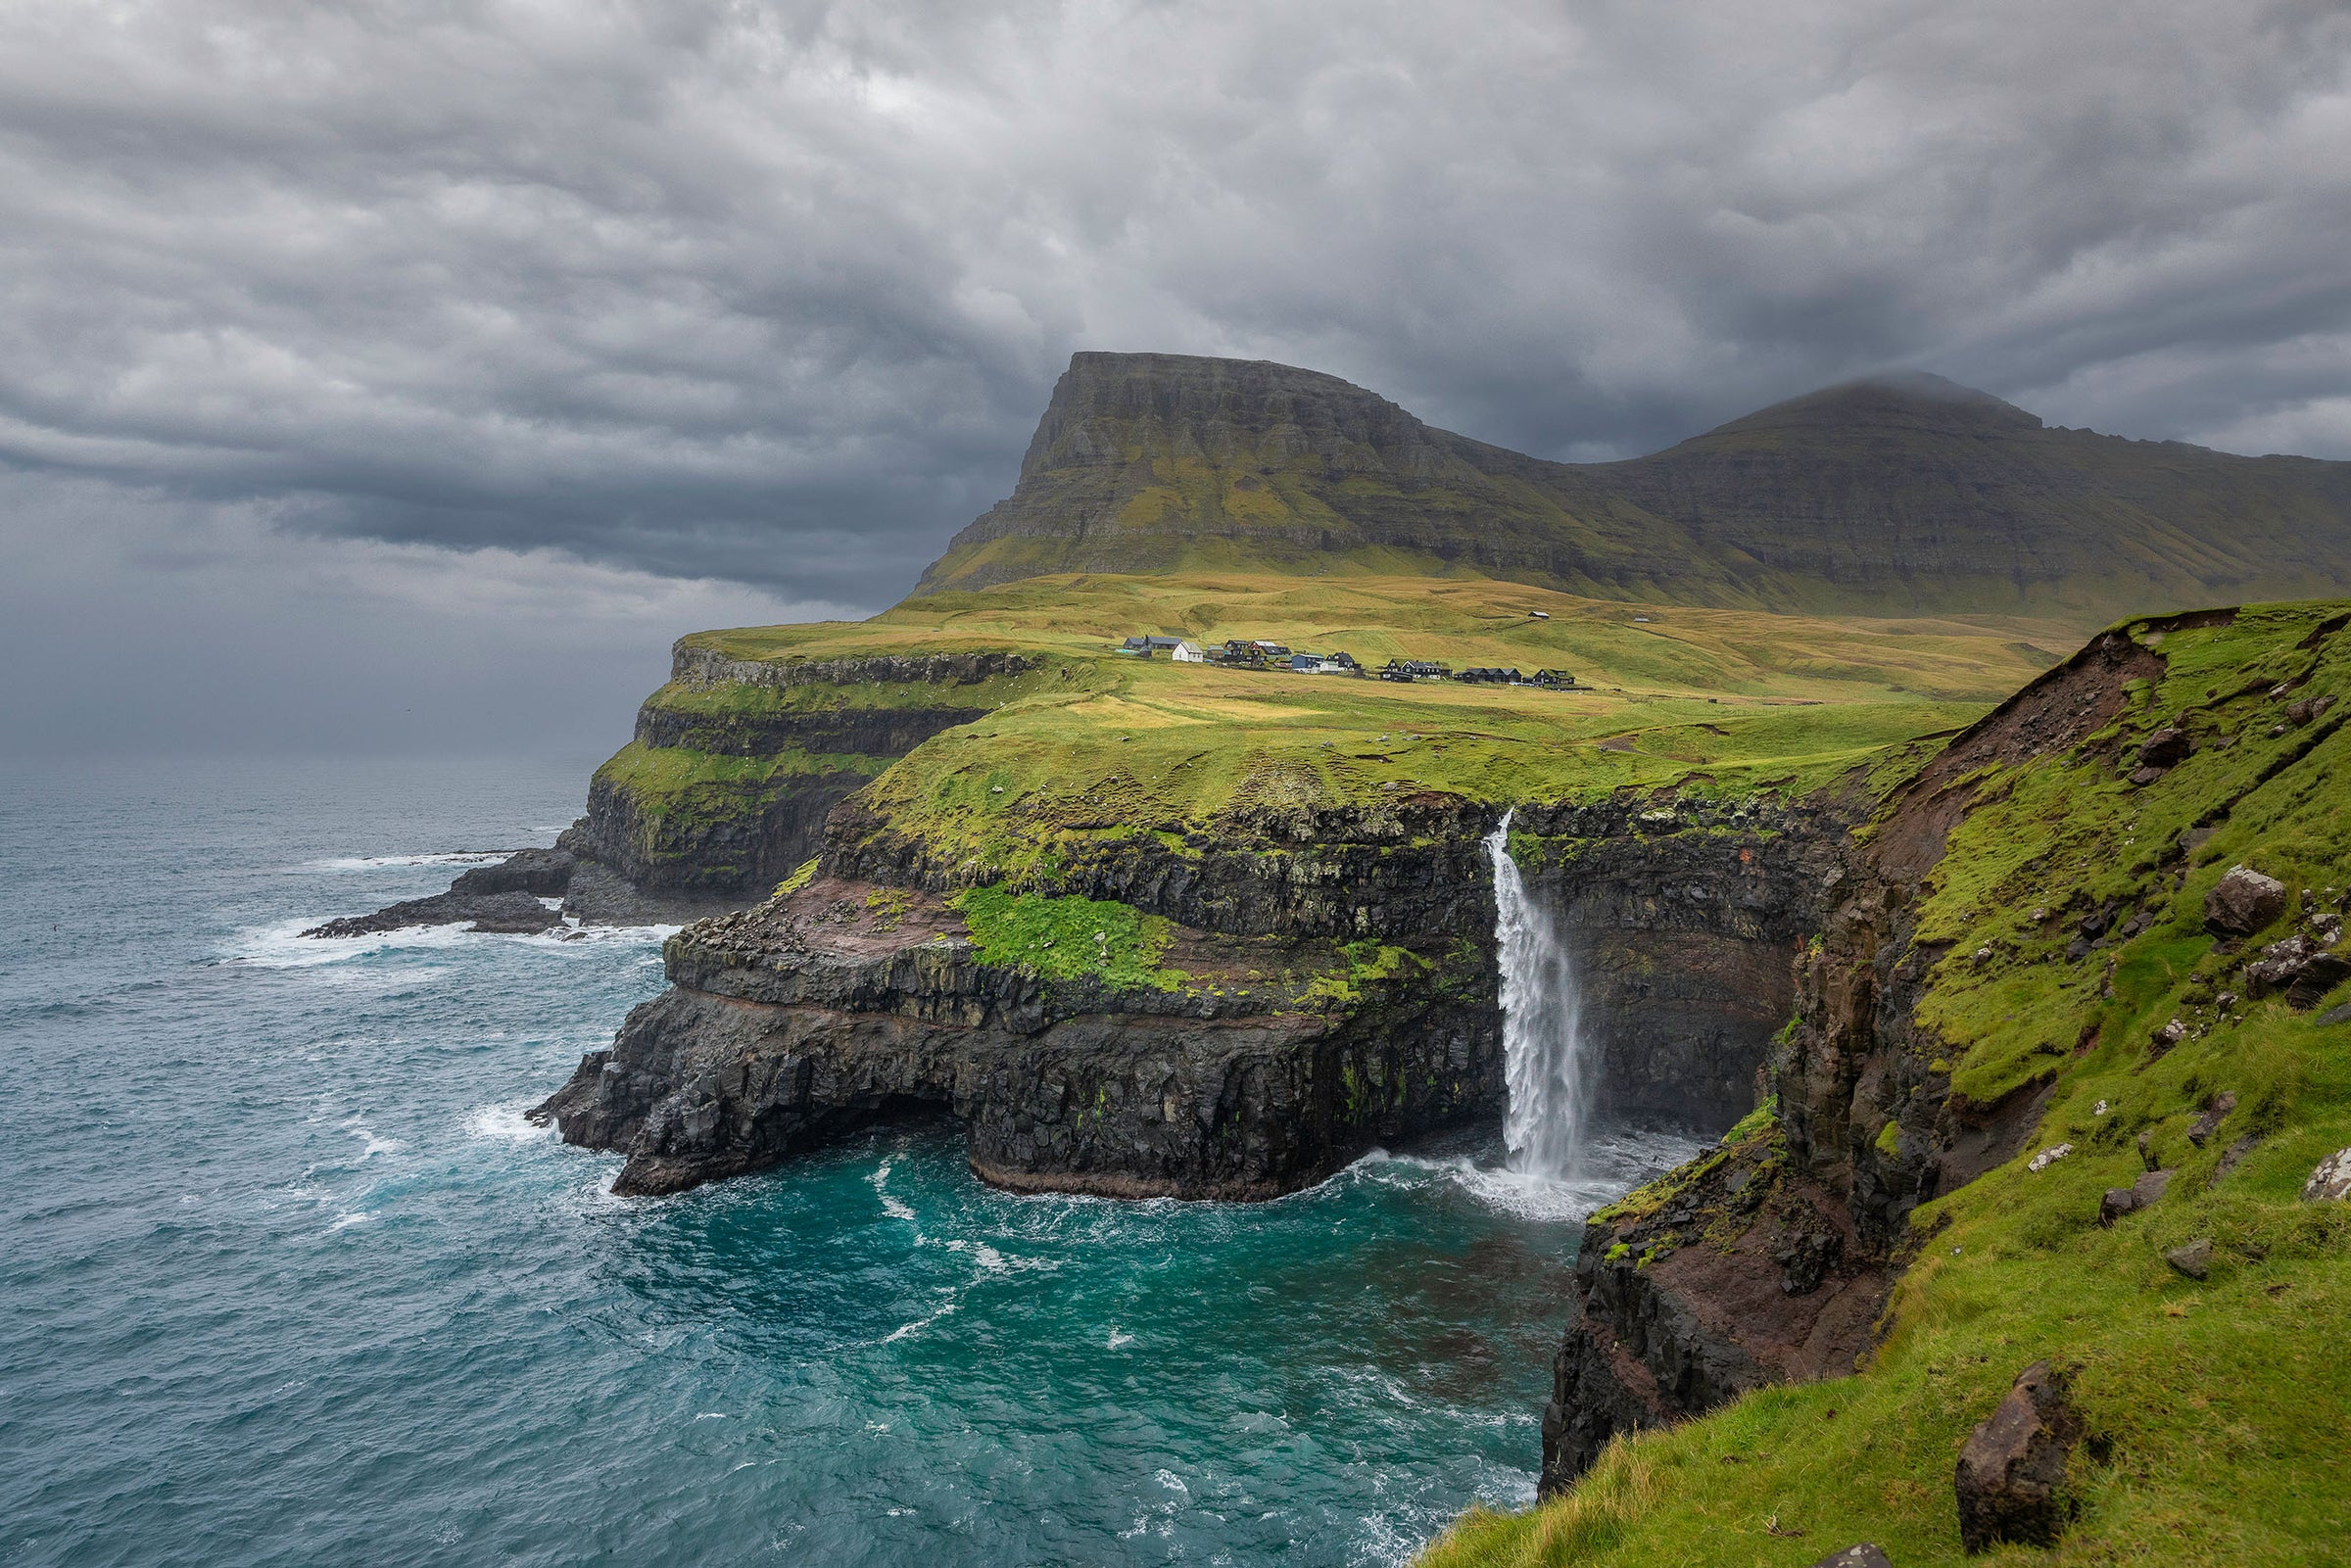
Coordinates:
1897	494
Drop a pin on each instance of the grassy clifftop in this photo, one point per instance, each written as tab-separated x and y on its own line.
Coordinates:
2067	927
1079	745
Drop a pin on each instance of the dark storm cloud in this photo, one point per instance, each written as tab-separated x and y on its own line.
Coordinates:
774	292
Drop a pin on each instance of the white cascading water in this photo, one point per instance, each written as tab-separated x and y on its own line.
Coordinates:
1542	1043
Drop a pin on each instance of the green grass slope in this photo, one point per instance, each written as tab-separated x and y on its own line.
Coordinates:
1084	744
2222	1400
1905	494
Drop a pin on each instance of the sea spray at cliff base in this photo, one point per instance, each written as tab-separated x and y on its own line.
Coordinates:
290	1281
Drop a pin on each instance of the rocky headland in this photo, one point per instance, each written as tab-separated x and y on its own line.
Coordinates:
2019	1021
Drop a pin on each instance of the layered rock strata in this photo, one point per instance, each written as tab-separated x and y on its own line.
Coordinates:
1772	1264
830	1011
1768	1260
737	763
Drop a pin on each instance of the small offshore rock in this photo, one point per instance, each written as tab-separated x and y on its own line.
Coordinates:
2244	901
2144	1193
2193	1259
2011	1477
2049	1157
2205	1125
508	912
2330	1182
1865	1555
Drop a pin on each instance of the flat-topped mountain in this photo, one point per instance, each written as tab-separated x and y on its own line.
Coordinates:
1897	494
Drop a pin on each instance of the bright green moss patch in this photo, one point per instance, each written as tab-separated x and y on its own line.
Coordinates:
659	775
1366	965
2220	1399
1756	1137
1066	939
803	875
696	818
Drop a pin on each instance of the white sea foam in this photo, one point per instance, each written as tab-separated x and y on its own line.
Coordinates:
374	1144
918	1325
1118	1339
445	857
1614	1161
890	1204
283	946
505	1122
572	935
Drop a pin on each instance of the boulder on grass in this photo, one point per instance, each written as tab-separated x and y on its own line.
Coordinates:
2163	748
2144	1193
2011	1480
1865	1555
2194	1259
2244	901
2300	968
2331	1181
2205	1125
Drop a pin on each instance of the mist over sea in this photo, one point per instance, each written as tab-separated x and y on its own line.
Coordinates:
285	1278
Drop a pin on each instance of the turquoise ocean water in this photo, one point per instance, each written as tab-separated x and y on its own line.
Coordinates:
285	1278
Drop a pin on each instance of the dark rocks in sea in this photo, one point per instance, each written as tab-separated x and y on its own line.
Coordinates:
541	873
2011	1480
505	897
513	911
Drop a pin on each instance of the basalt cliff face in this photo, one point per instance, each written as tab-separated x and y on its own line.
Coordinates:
845	1005
1995	924
1902	494
738	763
1329	987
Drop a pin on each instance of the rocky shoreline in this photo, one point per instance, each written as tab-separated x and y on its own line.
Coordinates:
832	1010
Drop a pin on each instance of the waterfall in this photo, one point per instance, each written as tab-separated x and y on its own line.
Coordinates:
1542	1044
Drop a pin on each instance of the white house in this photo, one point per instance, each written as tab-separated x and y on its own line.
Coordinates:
1188	653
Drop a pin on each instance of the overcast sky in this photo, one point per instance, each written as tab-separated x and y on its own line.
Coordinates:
407	375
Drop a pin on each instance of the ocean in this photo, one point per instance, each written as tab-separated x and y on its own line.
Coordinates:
286	1278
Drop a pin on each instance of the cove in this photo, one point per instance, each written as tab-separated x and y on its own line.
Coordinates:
290	1280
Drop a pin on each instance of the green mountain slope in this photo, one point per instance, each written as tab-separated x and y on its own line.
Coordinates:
1903	494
